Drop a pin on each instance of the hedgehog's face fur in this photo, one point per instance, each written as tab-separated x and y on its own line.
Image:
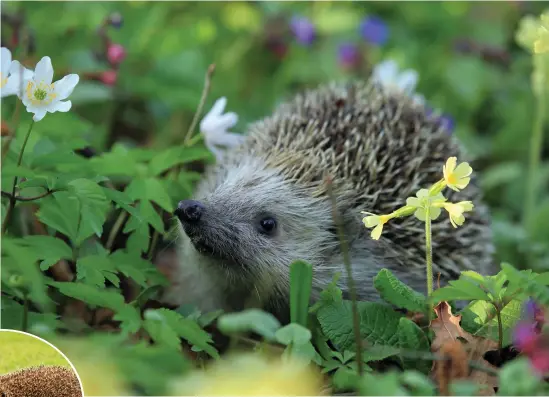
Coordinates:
252	223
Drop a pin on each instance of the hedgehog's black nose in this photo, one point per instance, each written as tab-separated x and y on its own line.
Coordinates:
189	211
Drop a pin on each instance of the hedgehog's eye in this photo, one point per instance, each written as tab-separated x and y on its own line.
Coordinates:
268	225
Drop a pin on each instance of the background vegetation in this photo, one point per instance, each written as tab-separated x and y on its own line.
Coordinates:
120	163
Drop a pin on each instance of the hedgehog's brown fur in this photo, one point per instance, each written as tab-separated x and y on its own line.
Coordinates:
379	148
41	381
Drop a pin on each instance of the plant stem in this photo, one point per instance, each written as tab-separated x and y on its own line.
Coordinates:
428	251
500	327
11	204
25	320
198	112
536	146
153	245
19	198
116	228
350	280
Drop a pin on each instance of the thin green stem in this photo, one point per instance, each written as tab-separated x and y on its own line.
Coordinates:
25	319
350	279
152	248
12	201
19	198
536	146
428	251
116	228
500	327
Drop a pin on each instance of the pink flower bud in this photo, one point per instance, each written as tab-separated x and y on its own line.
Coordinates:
109	77
540	361
525	338
116	54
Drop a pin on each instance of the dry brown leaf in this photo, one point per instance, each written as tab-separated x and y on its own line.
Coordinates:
447	330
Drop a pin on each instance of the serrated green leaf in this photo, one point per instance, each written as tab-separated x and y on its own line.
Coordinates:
411	337
12	316
130	319
150	189
132	265
100	297
397	293
182	327
258	321
461	289
161	332
536	290
122	200
61	212
480	319
175	156
378	324
139	240
301	281
147	215
49	249
93	270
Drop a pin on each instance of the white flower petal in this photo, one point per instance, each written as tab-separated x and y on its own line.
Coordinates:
65	86
44	71
38	114
60	106
229	139
13	86
226	121
218	107
386	72
5	61
407	81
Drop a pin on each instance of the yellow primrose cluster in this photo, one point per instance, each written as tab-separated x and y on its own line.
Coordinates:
431	201
533	33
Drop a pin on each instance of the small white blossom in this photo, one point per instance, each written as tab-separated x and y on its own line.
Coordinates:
388	75
215	127
10	74
42	96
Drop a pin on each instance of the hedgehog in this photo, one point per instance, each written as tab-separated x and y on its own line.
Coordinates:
41	381
266	204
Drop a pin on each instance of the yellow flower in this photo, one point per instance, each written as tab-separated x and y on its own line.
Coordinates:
251	375
541	45
456	210
527	32
378	221
424	201
456	178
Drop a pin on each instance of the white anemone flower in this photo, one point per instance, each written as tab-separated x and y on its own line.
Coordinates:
215	128
42	96
10	74
387	74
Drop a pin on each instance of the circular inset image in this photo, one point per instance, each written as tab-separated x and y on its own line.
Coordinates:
33	367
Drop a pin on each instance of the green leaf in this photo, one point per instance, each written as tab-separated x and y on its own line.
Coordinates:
48	248
516	378
332	293
378	324
397	293
94	206
130	319
132	265
258	321
537	290
175	156
418	383
381	385
150	189
12	316
301	281
379	352
147	215
94	269
185	328
20	260
411	337
293	334
61	212
464	288
161	332
480	319
100	297
139	240
121	199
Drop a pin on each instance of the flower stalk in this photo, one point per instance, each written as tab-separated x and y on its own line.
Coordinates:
428	251
13	199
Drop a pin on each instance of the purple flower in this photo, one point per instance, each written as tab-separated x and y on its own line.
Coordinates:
374	30
447	122
303	30
348	55
525	337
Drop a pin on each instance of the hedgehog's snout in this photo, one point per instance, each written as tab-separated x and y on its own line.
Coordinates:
189	211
